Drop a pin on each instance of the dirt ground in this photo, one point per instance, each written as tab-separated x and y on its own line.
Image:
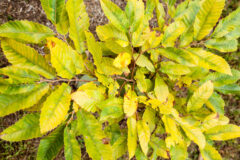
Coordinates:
32	10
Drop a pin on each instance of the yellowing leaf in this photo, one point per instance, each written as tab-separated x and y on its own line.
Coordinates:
25	31
120	147
21	55
149	118
115	15
132	136
57	14
178	152
130	103
55	108
160	12
26	128
207	17
174	68
171	34
72	150
209	60
64	59
79	23
144	134
223	132
159	146
161	89
143	84
122	60
88	96
222	45
143	61
15	102
210	153
93	137
216	103
200	96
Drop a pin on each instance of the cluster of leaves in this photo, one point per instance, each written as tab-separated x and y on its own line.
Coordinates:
148	92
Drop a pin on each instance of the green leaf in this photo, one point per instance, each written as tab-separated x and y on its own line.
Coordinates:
229	88
55	108
143	84
93	135
216	103
144	134
160	13
174	68
179	55
172	32
12	89
130	103
210	153
132	136
25	31
161	89
79	22
200	96
72	149
159	146
140	155
143	61
112	109
12	103
149	118
26	128
228	24
223	132
88	96
178	152
209	60
150	6
115	15
64	59
56	13
21	55
207	17
51	145
222	45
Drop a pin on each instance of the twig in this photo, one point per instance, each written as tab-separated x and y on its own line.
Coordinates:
64	80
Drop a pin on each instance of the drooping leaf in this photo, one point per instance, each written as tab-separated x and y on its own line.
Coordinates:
64	59
144	134
209	60
50	145
200	96
57	14
228	24
207	17
223	132
55	108
143	61
25	31
72	150
132	136
26	128
161	89
222	45
210	153
12	103
88	96
21	55
130	103
93	135
115	15
79	23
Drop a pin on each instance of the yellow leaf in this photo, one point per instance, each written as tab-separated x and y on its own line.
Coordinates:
210	153
55	108
130	103
144	134
132	136
161	89
122	60
200	96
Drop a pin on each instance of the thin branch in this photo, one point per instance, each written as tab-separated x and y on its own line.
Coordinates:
63	80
